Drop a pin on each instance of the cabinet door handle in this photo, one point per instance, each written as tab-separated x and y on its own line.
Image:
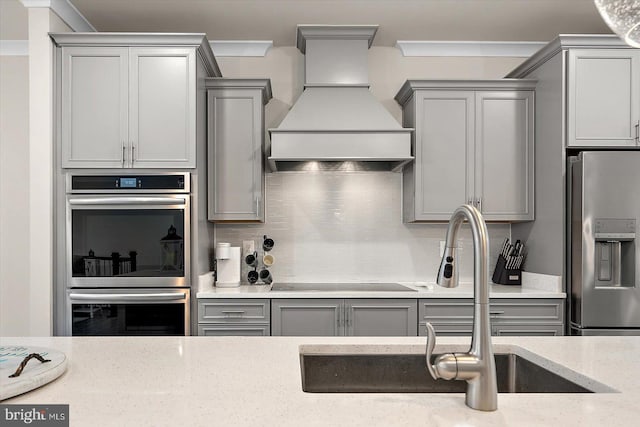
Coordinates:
124	148
133	153
479	204
339	316
233	313
257	206
470	202
637	131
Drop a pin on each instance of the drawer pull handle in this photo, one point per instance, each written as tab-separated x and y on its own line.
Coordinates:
228	312
496	313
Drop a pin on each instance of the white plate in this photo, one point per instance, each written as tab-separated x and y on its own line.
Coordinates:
35	374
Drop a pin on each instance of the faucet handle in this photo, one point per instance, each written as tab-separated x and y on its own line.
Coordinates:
431	344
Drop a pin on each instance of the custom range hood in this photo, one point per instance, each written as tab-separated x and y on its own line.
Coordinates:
337	119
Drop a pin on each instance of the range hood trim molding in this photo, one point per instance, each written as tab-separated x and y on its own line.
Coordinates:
306	32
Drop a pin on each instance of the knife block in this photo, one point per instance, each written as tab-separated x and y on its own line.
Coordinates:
505	276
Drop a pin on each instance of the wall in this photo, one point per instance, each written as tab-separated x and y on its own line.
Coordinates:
347	226
14	176
26	148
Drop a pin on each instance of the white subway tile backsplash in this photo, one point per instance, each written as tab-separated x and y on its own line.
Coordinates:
347	227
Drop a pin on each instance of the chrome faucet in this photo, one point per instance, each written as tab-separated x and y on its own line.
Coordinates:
477	367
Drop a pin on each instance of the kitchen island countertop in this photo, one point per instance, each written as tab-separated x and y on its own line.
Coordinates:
198	381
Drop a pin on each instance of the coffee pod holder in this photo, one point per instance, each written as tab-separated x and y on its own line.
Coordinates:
253	260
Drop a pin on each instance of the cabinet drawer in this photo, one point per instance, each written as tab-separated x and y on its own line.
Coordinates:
503	311
527	311
233	330
452	311
527	330
448	330
234	311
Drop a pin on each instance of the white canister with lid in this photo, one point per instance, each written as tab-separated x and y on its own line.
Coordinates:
223	250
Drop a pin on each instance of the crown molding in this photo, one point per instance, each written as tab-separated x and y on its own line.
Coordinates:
14	47
306	32
65	10
468	48
223	48
264	85
564	42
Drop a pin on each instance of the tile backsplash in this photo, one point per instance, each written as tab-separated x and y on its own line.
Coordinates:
347	227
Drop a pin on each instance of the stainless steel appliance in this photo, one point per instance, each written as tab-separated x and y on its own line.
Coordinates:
128	311
118	229
127	262
605	265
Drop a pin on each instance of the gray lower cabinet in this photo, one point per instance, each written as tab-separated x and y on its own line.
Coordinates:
473	144
240	317
337	317
235	148
515	317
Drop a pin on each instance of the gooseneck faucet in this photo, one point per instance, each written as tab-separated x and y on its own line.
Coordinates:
477	367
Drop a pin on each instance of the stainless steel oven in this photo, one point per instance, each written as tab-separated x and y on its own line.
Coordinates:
128	231
127	254
107	312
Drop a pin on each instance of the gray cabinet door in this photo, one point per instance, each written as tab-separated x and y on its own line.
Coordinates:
162	107
603	97
307	317
236	180
504	155
381	317
94	116
444	152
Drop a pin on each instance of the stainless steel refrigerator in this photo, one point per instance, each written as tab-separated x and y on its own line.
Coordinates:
604	292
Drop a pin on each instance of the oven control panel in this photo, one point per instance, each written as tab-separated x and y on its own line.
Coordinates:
156	183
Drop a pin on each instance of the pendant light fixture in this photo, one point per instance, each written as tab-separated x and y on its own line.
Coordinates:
623	17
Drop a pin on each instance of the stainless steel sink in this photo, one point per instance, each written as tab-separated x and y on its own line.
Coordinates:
406	373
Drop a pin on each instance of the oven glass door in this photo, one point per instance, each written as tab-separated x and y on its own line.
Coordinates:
160	313
128	241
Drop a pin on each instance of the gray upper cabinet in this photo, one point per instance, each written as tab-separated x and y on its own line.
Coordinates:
129	100
235	148
95	94
473	144
603	97
337	317
162	107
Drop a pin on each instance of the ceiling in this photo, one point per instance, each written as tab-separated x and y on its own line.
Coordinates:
468	20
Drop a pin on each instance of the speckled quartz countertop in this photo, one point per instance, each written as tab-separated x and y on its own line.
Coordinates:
251	381
423	290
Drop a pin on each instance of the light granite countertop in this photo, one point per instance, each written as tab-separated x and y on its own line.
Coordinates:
533	286
249	381
423	290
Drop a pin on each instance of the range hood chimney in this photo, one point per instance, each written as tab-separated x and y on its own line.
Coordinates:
337	119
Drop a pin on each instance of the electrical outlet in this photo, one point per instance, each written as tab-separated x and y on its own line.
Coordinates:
443	244
248	247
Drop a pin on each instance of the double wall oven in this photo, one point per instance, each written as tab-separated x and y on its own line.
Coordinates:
127	261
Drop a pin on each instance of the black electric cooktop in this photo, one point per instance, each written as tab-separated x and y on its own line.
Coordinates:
341	287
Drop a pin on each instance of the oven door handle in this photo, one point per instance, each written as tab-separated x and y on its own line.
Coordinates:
128	201
173	296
